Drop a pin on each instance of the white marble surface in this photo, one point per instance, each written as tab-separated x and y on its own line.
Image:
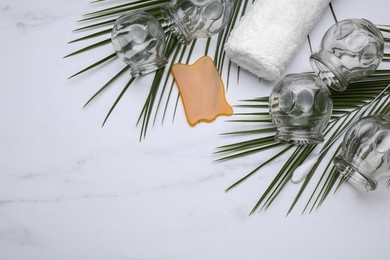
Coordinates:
70	189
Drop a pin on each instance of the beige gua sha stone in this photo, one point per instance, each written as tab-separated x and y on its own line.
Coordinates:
202	91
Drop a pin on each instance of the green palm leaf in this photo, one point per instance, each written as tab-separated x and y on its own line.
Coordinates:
348	107
98	24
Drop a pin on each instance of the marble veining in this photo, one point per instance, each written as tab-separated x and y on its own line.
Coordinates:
71	190
30	20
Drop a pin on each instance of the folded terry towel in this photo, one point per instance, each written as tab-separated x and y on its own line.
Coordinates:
270	34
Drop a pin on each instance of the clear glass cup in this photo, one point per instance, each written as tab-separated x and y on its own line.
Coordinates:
300	107
350	50
365	156
139	41
190	19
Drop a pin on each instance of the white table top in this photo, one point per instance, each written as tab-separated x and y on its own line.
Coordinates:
70	189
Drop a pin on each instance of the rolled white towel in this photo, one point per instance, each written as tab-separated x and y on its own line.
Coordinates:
270	33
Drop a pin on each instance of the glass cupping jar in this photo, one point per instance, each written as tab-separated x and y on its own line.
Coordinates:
350	50
139	41
190	19
365	156
300	108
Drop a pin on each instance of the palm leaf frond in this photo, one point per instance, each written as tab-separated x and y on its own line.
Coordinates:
97	24
359	100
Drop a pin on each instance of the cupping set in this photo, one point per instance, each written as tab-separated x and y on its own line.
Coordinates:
263	42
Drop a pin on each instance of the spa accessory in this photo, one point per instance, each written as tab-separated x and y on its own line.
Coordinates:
350	50
270	33
190	19
303	170
300	108
365	157
139	41
201	90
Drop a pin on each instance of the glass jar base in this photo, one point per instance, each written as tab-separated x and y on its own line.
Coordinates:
149	67
352	174
298	136
175	26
